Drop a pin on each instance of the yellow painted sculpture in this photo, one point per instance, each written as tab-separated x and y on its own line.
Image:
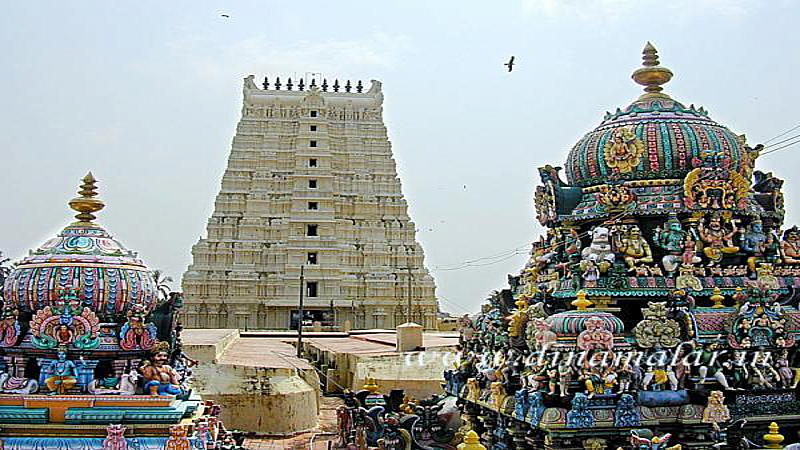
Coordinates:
498	395
624	150
634	248
516	324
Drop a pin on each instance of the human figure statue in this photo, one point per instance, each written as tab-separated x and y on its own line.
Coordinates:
634	248
710	366
161	378
757	242
64	375
717	238
790	246
673	240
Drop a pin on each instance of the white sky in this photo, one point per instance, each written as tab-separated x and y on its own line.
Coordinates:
147	94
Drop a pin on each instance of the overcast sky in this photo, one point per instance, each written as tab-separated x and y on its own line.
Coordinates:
147	96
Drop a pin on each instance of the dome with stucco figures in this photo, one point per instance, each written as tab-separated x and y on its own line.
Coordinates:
655	137
86	261
571	323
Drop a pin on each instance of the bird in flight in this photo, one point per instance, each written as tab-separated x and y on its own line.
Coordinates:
510	64
225	16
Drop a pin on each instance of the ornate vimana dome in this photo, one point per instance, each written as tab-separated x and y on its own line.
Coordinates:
85	259
664	293
89	349
655	137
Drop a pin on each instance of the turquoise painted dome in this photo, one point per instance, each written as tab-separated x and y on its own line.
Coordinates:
660	138
655	137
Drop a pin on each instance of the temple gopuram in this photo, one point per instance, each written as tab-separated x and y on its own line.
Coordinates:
91	350
659	310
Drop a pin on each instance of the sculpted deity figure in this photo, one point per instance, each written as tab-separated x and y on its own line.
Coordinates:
718	238
9	326
498	394
673	239
716	411
114	438
161	379
790	246
516	324
64	375
660	371
634	248
784	369
539	334
466	329
596	335
710	366
759	243
599	252
624	150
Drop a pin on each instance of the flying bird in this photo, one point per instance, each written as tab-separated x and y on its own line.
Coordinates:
225	16
510	63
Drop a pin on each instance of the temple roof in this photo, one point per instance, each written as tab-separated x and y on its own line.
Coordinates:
86	258
655	137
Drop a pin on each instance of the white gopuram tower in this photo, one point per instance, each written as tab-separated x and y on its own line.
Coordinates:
310	183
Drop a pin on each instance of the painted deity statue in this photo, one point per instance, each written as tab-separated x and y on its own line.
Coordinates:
115	439
633	247
624	151
161	379
718	238
599	251
673	239
759	243
64	375
790	246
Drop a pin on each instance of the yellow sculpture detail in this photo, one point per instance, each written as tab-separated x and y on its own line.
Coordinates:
624	150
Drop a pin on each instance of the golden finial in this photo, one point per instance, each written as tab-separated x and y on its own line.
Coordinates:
371	386
471	442
717	298
652	75
87	204
581	303
773	438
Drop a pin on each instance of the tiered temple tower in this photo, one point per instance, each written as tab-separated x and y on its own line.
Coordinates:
310	183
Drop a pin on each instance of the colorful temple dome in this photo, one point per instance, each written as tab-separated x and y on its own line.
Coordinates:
572	323
655	137
86	260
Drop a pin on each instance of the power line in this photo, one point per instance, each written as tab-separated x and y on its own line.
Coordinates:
452	303
775	149
782	141
782	134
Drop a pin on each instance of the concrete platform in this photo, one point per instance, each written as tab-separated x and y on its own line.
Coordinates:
259	381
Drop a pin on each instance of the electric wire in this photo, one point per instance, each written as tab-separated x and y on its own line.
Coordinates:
782	134
782	141
501	257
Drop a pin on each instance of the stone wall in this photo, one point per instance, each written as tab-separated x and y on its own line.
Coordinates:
253	395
